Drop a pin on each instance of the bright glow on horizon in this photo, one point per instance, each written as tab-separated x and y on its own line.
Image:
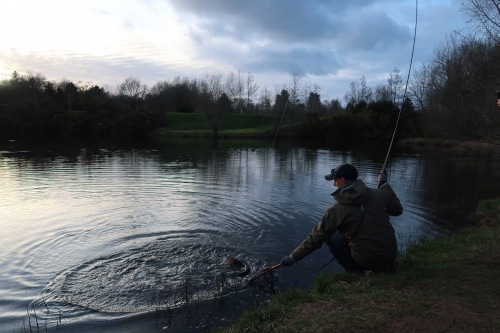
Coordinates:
110	31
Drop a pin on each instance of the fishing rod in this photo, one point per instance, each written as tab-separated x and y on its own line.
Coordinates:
395	128
406	86
264	272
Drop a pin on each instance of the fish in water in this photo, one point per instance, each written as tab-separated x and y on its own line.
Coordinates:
246	269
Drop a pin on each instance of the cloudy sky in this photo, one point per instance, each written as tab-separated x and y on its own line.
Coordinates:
330	42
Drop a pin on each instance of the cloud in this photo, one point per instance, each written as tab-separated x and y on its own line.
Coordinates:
309	36
280	21
315	61
373	30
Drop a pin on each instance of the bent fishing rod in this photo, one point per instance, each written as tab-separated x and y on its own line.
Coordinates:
395	128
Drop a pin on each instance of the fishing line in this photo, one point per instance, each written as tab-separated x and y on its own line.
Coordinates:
406	87
280	123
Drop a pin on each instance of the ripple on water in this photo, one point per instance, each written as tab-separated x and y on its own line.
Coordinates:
144	278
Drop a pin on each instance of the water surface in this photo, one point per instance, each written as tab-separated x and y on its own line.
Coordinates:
136	238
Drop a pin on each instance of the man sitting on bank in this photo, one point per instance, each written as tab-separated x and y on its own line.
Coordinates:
356	228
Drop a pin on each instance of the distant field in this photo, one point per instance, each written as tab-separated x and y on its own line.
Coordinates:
195	124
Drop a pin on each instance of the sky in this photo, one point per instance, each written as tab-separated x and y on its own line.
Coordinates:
329	42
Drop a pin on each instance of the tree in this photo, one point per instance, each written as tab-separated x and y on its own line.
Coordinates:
133	91
92	98
459	97
224	104
334	106
365	92
36	84
295	87
484	17
358	92
382	93
419	85
70	93
281	100
251	88
213	101
231	89
235	88
351	96
407	105
313	103
265	101
395	83
307	89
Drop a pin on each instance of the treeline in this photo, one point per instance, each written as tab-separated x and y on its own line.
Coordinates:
31	106
455	89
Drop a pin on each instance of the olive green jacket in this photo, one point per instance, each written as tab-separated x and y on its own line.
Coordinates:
374	245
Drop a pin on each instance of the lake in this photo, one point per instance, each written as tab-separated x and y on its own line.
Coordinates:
136	238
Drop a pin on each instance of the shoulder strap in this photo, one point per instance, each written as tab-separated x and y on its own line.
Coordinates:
359	225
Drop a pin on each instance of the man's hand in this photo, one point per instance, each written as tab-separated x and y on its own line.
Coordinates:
498	103
287	261
382	178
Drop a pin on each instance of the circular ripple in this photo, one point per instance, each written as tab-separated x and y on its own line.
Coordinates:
164	273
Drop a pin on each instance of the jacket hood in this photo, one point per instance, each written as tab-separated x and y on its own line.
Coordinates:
354	192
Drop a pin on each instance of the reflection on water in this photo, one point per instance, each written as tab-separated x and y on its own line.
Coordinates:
106	232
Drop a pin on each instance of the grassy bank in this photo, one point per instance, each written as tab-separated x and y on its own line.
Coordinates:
444	285
233	125
467	149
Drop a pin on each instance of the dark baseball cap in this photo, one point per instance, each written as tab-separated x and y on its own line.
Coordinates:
344	170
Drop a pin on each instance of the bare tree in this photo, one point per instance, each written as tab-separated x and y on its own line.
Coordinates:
484	17
265	101
231	88
213	86
295	87
419	86
159	88
395	83
459	96
364	92
251	88
213	98
235	89
359	91
351	96
382	93
133	91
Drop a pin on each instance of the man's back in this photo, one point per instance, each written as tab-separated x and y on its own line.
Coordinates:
373	246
